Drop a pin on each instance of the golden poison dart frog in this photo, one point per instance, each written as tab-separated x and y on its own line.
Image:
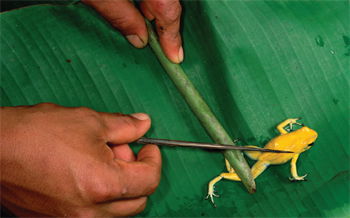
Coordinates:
296	141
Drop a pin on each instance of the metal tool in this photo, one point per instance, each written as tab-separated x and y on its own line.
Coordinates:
174	143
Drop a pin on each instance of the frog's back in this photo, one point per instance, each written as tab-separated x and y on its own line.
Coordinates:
295	141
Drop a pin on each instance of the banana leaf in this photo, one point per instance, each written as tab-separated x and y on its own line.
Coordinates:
255	62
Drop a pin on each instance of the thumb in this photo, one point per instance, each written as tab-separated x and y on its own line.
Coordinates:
123	129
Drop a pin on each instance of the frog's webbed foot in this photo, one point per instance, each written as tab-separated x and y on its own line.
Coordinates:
298	178
293	170
211	195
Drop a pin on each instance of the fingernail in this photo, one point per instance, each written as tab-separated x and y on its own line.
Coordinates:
136	41
140	116
181	54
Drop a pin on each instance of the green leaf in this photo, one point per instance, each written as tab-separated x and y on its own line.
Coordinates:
255	62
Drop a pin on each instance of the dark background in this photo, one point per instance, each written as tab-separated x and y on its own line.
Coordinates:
6	5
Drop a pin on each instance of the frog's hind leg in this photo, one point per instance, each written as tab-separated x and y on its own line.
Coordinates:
231	175
211	187
228	166
254	155
257	169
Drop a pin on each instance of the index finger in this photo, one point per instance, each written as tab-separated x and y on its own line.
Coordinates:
141	178
167	14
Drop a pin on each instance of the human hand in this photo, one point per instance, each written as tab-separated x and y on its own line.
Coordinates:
124	16
55	161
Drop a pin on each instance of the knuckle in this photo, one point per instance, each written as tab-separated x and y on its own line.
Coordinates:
84	110
39	113
99	192
117	114
119	22
142	205
83	212
46	105
123	23
97	188
137	207
173	14
129	123
87	113
168	11
153	184
152	188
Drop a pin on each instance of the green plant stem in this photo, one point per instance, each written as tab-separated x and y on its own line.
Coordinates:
202	111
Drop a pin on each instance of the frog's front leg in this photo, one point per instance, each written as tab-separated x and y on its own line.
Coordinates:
285	123
293	170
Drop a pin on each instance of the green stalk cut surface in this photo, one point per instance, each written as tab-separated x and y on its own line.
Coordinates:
202	111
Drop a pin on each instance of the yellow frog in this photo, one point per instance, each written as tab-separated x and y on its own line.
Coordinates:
296	141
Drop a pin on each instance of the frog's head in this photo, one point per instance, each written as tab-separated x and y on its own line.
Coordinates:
308	136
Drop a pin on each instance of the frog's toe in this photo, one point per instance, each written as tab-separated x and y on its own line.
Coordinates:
298	178
294	121
211	195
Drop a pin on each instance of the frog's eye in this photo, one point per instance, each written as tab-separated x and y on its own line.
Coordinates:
312	144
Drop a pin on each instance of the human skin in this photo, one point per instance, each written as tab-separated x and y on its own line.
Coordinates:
125	17
58	161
